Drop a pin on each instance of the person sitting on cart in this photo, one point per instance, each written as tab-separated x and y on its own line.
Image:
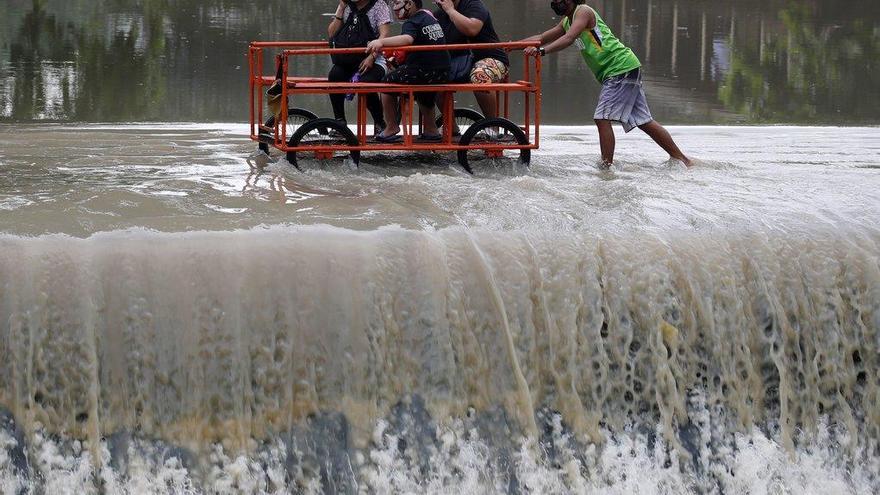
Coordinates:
423	67
469	21
355	24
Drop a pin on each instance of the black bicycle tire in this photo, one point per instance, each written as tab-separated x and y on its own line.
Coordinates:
466	113
293	112
327	125
525	155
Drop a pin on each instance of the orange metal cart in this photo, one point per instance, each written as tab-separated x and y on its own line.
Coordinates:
298	130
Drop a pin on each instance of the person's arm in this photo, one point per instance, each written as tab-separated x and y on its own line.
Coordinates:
337	21
582	20
408	33
468	26
376	46
547	36
384	31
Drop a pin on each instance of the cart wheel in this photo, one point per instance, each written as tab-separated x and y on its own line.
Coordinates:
464	118
322	132
296	117
483	132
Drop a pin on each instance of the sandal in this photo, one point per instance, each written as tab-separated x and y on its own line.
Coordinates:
430	137
394	138
275	88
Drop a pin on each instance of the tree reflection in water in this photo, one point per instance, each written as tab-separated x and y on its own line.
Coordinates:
747	61
810	64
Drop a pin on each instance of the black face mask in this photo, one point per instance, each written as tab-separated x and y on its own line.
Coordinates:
403	7
559	7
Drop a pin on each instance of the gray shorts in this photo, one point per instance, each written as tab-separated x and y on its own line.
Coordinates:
622	99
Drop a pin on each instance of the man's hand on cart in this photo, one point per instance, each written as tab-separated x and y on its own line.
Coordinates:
375	46
367	63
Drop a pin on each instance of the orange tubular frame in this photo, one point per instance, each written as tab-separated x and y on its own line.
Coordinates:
529	86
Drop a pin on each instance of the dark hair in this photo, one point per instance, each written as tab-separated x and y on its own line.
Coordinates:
417	3
580	2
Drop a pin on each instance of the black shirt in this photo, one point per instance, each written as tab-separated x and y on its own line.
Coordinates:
425	30
473	9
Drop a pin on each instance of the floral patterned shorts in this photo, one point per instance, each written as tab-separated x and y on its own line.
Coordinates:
489	71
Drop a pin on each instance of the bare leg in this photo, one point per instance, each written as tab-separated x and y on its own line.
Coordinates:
389	109
442	98
429	125
606	141
661	136
487	102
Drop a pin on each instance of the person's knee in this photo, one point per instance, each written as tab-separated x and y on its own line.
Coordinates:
489	71
375	74
602	123
649	125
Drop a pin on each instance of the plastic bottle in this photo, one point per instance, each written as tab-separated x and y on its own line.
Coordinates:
355	78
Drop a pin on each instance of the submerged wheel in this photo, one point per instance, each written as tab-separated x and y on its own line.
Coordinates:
484	131
296	117
463	118
322	132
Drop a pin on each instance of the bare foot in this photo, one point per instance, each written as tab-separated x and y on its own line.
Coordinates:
389	131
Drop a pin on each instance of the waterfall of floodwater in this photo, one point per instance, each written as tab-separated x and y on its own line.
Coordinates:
317	359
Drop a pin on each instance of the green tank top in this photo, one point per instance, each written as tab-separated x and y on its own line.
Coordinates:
604	53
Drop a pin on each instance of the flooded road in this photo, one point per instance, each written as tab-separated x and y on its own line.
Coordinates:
83	179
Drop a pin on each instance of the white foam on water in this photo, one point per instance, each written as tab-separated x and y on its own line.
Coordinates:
11	482
464	463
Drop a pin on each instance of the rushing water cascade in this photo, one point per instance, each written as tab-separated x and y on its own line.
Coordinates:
319	358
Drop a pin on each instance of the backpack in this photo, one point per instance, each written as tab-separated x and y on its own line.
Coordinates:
356	32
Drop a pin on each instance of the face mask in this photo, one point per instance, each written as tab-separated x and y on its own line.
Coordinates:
400	12
559	7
